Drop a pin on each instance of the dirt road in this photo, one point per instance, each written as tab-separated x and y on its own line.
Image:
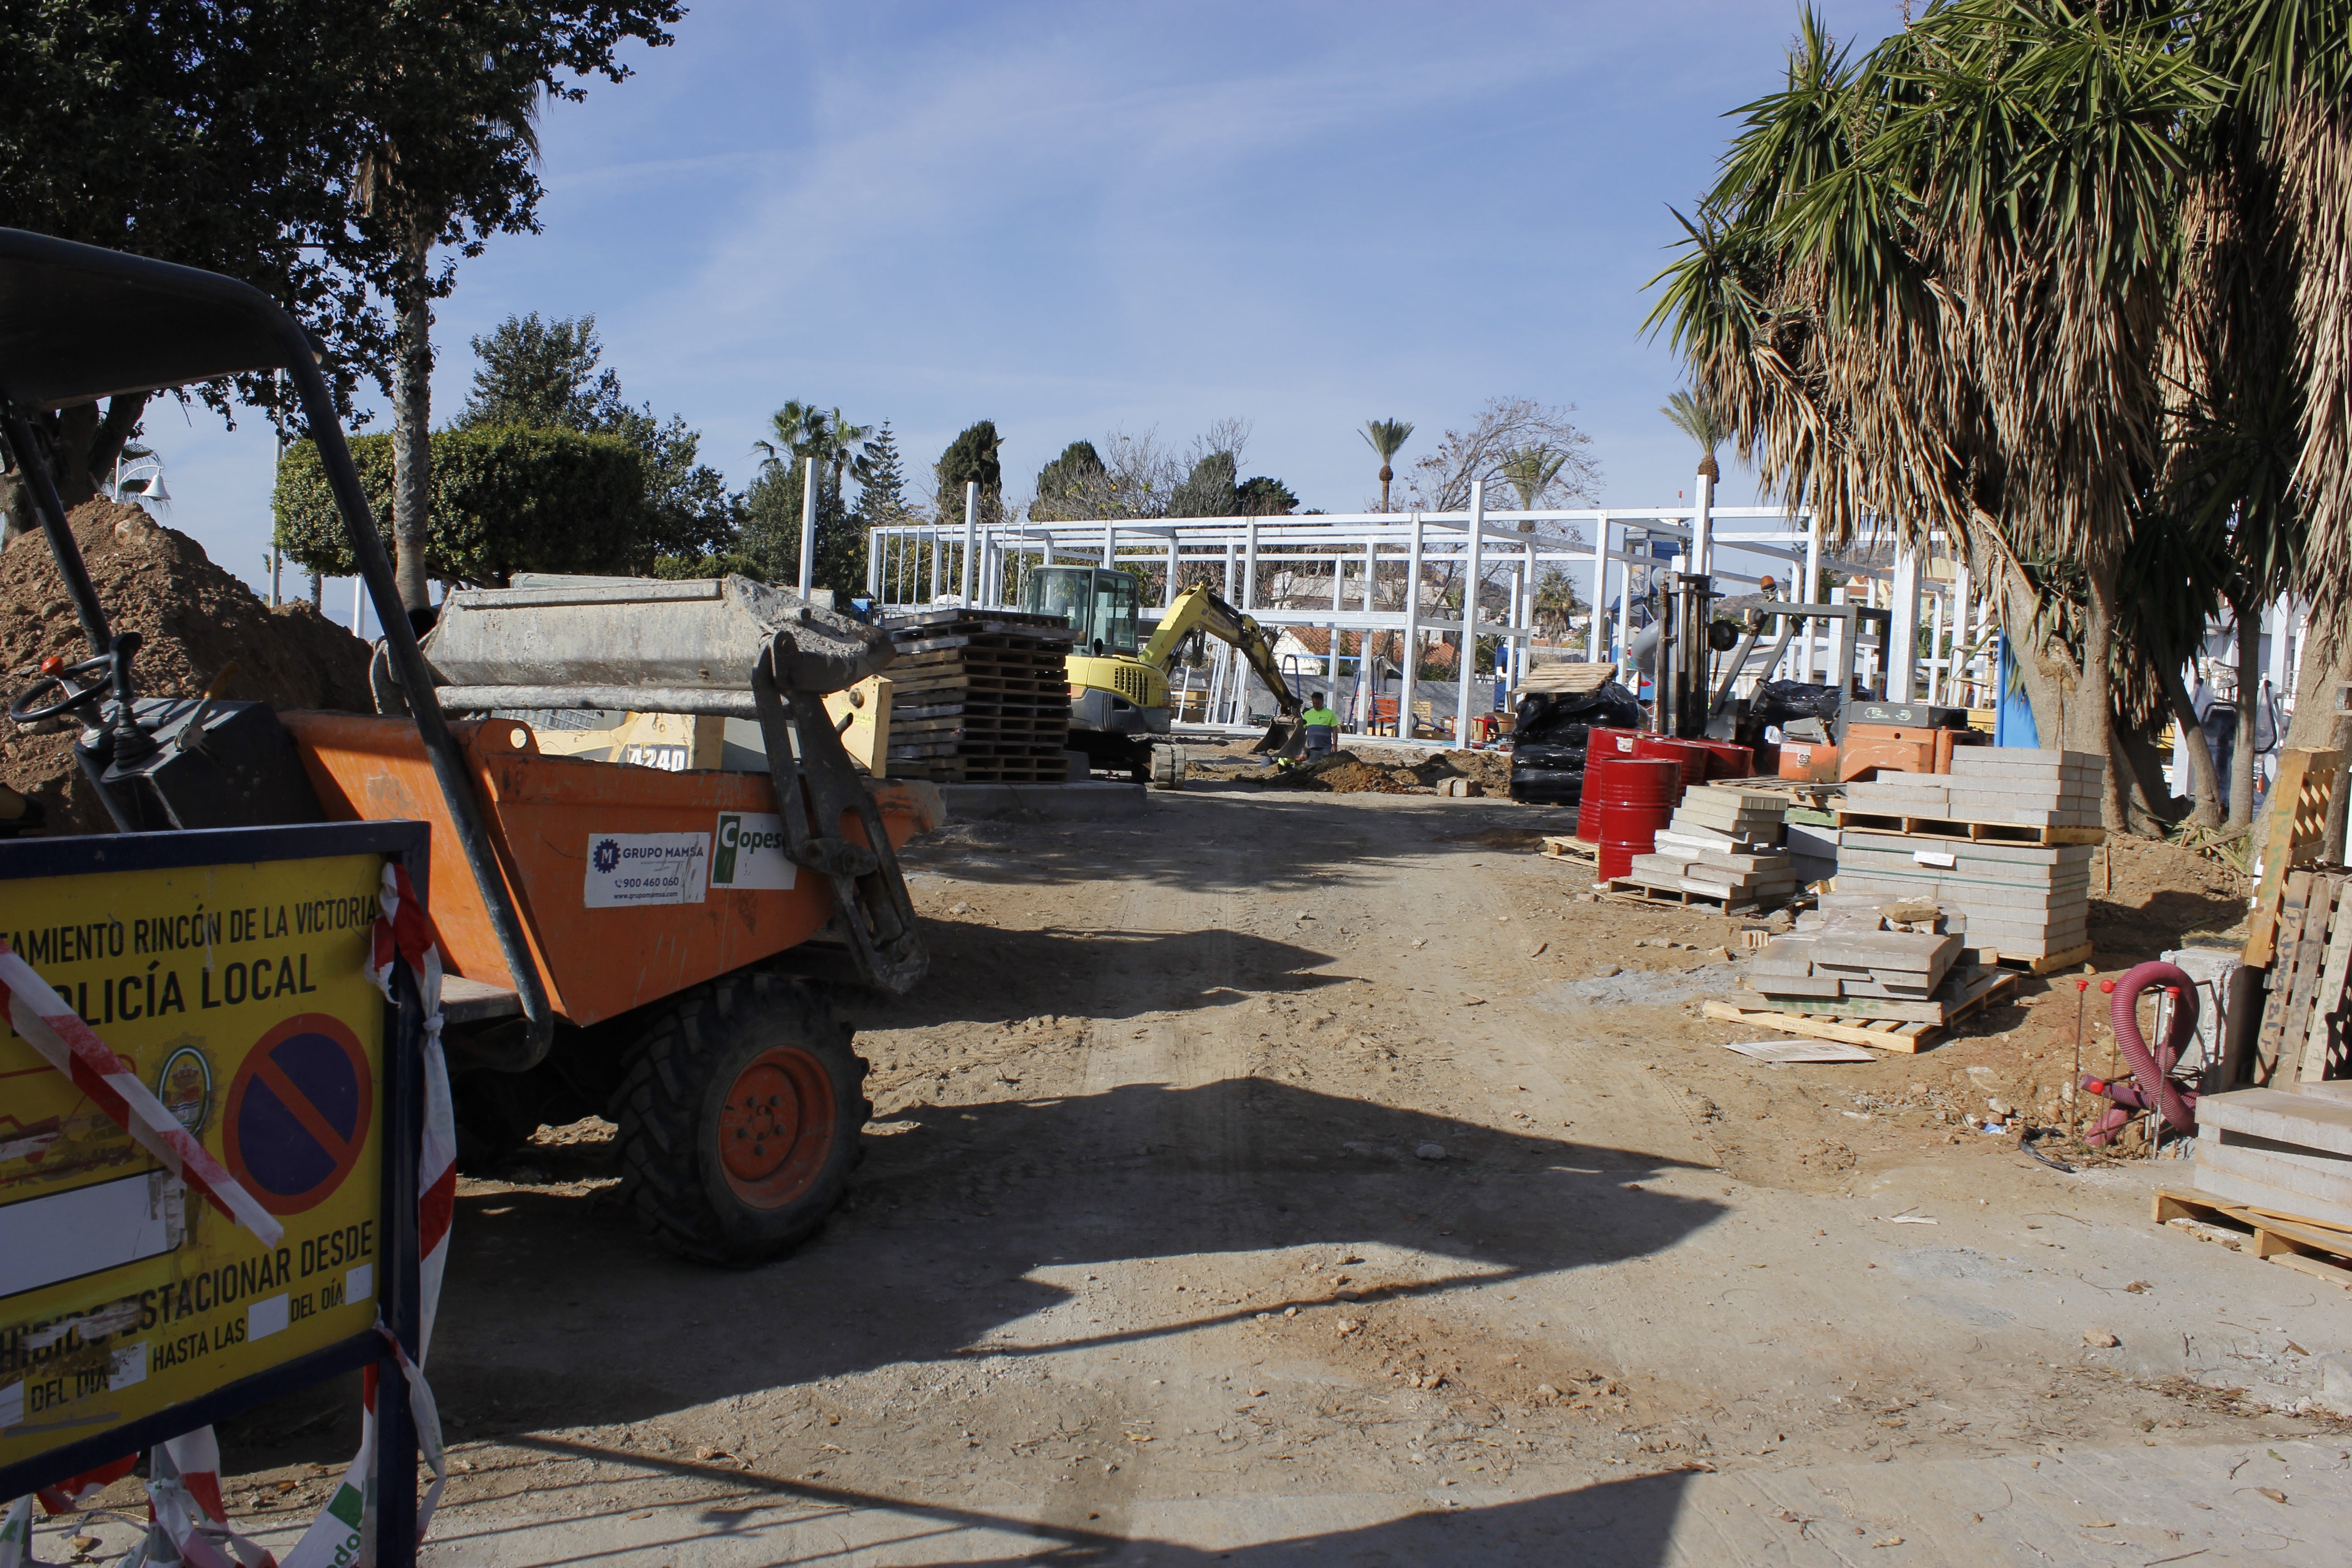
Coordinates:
1300	1179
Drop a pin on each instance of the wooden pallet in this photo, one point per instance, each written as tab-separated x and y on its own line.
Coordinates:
2049	965
1964	831
1635	889
1569	849
2307	1245
1853	1023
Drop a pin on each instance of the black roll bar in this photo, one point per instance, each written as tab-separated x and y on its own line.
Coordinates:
78	324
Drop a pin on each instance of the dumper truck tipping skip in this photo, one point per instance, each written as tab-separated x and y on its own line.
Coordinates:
603	957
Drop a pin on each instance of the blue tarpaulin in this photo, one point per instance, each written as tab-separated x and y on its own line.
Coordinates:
2012	717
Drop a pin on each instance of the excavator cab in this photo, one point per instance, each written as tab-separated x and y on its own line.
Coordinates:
1102	604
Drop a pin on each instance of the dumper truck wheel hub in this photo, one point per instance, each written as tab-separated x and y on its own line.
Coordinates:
776	1127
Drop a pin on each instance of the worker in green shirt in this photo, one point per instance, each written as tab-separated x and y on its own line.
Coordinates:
1322	726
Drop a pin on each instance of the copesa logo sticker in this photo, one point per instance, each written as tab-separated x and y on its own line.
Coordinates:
750	854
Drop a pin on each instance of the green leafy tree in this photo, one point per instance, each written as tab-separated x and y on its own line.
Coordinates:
1265	496
505	500
1209	491
1698	419
549	375
1386	437
970	458
1072	486
799	432
320	150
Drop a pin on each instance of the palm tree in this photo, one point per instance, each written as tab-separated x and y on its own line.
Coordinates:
1696	418
1386	437
1929	290
1530	471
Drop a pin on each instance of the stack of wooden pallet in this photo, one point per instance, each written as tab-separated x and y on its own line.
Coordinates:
2004	846
979	697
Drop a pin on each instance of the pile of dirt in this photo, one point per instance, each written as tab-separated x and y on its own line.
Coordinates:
1357	773
2147	894
196	619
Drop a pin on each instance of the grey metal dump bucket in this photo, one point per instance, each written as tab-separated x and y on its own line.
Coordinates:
639	644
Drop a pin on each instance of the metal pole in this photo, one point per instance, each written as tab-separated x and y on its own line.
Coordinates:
1168	595
1409	656
1600	551
1936	661
1808	666
873	563
808	528
358	608
1249	568
1702	549
1901	653
1475	563
1625	611
1961	692
971	523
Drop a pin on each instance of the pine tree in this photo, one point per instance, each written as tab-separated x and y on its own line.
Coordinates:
970	458
882	496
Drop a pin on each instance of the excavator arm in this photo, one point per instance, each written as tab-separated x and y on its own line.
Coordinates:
1199	609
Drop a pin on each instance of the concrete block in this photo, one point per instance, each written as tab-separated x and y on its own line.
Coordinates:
1890	950
2315	1186
2233	1187
2300	1121
1793	985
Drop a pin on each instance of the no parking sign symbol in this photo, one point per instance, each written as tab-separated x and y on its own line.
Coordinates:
297	1115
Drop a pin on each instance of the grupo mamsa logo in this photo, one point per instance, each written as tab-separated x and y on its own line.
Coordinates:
606	855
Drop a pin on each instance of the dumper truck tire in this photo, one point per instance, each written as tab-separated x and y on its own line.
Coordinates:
740	1117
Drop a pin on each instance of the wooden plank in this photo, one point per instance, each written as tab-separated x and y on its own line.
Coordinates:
1908	1038
1969	830
2322	1043
2310	966
2288	1239
2306	789
2046	965
2286	945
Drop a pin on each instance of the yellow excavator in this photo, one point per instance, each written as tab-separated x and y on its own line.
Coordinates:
1119	691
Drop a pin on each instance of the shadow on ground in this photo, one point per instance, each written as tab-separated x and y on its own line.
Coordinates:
558	1313
1017	974
1238	838
1613	1524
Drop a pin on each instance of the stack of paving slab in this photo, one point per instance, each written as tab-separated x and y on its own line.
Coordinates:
1722	843
1844	956
1984	851
2268	1149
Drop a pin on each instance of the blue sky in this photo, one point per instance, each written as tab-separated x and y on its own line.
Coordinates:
1074	218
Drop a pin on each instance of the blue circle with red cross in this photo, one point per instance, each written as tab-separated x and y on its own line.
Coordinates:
298	1113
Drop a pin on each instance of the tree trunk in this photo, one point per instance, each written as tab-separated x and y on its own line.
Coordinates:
114	432
412	430
2250	679
2204	779
2092	725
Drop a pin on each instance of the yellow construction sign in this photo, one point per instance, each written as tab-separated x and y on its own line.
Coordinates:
239	995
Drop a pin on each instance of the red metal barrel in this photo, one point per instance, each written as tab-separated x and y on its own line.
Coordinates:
1630	799
1693	756
1729	761
1604	765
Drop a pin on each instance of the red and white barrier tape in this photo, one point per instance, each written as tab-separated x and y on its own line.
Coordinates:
184	1489
49	1024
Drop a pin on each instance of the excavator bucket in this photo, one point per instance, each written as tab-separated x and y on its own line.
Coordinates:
1286	738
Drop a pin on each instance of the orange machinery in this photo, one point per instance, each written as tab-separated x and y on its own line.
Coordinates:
615	931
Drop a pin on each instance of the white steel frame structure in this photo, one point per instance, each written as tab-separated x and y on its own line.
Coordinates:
914	565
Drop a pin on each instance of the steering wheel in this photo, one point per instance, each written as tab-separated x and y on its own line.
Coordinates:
55	672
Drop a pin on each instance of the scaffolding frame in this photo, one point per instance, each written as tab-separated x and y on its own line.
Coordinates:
916	566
